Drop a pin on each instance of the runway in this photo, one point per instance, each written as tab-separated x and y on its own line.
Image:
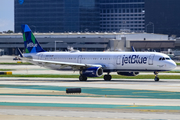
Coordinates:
43	98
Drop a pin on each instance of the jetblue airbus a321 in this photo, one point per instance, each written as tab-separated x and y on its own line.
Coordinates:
94	64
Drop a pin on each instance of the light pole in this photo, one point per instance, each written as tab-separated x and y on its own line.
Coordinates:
150	23
55	44
34	27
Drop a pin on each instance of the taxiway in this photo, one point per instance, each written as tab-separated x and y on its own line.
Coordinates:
42	98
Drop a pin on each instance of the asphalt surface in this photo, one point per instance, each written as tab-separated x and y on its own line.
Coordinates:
35	98
91	100
96	114
133	84
122	99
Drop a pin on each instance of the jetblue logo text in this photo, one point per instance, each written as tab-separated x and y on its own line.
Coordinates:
31	45
134	59
89	71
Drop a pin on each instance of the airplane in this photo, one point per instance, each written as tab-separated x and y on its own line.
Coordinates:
94	64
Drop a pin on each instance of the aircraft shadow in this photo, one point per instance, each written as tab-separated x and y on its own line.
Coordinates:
88	81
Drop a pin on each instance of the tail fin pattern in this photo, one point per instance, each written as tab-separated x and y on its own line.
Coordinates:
30	43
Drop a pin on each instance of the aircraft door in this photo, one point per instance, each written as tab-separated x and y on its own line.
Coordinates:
118	60
151	57
79	58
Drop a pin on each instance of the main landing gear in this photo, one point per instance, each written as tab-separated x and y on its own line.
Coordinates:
156	76
82	78
107	77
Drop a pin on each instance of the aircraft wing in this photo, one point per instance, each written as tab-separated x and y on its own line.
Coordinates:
66	64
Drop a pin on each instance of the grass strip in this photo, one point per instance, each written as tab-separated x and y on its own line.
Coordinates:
7	69
113	76
170	72
177	63
24	63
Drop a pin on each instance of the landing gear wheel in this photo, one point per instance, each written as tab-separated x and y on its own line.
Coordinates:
156	77
107	77
82	78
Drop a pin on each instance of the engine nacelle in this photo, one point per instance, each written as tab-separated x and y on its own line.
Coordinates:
92	72
128	73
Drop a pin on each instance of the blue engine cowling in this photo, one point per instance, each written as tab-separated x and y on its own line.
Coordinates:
128	73
92	72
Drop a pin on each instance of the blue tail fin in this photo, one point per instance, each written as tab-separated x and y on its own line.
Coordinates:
30	43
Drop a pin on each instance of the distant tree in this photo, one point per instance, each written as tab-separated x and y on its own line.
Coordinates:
9	31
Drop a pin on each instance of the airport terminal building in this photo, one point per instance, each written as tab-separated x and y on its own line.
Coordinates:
89	42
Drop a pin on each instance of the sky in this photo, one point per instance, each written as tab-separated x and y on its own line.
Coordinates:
6	15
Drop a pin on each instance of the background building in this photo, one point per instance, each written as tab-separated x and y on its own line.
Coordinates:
122	15
163	15
57	15
80	15
152	16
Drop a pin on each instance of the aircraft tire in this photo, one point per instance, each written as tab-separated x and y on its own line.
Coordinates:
82	78
107	77
156	79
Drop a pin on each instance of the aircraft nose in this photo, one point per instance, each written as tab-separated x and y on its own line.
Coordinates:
173	65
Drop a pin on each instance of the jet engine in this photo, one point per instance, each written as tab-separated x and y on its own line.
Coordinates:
92	72
128	73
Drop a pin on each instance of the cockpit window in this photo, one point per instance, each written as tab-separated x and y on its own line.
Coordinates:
164	58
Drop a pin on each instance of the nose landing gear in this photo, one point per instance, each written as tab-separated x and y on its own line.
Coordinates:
156	76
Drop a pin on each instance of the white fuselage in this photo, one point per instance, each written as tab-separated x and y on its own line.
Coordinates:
111	61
